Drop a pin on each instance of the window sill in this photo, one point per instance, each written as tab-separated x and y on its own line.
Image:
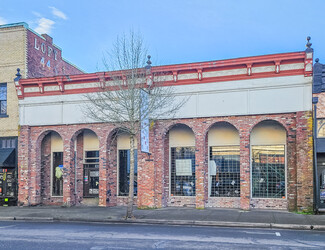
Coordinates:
4	116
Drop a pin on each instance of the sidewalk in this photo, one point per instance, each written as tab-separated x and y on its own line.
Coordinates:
169	215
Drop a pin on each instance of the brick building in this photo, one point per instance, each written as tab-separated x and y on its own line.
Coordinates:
243	139
36	56
319	133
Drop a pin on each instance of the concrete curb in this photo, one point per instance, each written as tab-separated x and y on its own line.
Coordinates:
27	218
171	222
202	223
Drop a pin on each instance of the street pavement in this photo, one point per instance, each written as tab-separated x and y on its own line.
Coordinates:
95	236
169	215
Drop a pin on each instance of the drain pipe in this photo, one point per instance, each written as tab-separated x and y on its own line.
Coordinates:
316	181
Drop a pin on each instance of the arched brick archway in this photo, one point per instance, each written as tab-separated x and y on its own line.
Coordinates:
41	180
222	142
170	196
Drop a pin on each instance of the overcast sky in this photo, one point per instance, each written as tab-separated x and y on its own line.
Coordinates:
176	31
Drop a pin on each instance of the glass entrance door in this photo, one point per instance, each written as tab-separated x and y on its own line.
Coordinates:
91	174
91	180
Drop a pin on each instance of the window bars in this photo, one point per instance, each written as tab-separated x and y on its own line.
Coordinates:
182	171
268	171
224	171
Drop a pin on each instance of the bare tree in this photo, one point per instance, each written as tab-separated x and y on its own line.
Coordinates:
130	97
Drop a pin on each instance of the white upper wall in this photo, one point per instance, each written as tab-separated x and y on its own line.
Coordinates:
241	97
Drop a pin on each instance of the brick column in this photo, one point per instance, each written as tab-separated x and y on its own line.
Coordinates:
244	168
112	181
23	165
146	175
291	168
35	171
304	149
68	172
80	168
200	170
161	182
102	172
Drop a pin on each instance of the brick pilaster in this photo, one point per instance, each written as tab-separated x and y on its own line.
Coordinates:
24	145
244	168
200	170
103	172
68	172
304	149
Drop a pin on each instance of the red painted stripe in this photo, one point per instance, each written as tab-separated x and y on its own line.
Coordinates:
179	82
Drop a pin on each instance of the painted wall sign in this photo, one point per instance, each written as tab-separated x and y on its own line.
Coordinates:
46	49
44	58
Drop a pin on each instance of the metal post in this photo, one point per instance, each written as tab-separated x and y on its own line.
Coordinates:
316	181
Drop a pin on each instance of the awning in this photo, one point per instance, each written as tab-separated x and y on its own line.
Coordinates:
7	157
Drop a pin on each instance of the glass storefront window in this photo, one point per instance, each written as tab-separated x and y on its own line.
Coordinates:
268	171
320	128
183	171
224	169
124	172
57	175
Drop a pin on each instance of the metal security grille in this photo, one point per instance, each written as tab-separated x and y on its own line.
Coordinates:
224	169
268	171
182	171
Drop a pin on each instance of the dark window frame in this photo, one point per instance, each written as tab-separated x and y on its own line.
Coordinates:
320	123
123	184
4	101
56	191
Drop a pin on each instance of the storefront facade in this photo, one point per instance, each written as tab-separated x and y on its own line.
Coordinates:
242	140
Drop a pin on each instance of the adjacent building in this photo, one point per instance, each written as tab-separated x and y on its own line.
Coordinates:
242	140
319	133
36	56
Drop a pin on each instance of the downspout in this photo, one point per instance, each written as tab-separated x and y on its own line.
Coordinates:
316	182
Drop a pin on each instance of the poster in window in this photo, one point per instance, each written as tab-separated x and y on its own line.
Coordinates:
213	167
322	194
183	167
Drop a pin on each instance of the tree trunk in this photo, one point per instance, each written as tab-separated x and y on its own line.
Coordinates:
129	212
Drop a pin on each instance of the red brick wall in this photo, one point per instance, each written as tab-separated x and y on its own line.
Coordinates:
38	48
153	170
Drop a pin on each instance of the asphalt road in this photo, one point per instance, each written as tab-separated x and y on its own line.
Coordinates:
33	235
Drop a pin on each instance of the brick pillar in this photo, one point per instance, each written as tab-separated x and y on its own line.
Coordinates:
35	172
68	172
304	149
23	165
46	169
244	169
146	175
291	168
102	172
80	168
200	170
160	147
112	181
